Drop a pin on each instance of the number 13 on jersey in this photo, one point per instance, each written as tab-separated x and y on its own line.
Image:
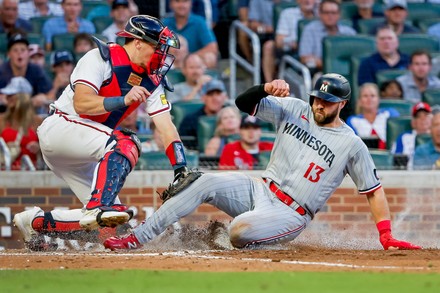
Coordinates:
313	173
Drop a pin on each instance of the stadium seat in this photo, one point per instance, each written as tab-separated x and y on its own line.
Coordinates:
101	23
349	9
278	8
35	39
337	51
408	43
303	22
431	96
402	106
384	75
205	131
355	62
3	43
175	76
88	6
63	42
395	126
424	24
37	23
159	161
421	11
383	160
365	25
180	109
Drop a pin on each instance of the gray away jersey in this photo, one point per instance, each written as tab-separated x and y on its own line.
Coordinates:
309	162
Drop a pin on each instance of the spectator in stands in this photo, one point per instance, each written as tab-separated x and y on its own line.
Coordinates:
201	38
434	30
71	22
37	8
243	40
105	10
419	78
179	54
286	37
120	14
386	57
214	97
83	43
228	123
198	7
427	156
194	71
261	22
391	89
37	55
364	10
18	125
155	144
10	21
19	65
62	63
420	124
370	121
396	14
244	154
310	45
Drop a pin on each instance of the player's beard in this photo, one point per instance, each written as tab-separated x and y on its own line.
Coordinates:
322	119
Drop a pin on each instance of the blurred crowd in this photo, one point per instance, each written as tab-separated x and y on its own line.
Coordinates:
396	88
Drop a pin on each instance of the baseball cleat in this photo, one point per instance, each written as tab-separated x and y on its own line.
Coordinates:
23	221
95	218
126	242
123	208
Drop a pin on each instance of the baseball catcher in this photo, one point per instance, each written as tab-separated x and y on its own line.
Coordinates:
80	140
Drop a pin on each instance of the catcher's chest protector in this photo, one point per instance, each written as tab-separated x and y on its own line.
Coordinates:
122	80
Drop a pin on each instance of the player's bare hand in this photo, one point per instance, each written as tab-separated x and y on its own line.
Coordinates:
277	88
136	94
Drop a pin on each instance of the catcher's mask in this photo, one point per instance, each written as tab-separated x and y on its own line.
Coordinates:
152	30
331	87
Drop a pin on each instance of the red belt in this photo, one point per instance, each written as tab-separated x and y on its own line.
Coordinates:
285	198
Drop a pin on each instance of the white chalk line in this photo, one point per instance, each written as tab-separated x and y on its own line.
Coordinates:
197	254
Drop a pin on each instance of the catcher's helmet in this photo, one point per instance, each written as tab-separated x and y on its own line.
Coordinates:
151	30
331	87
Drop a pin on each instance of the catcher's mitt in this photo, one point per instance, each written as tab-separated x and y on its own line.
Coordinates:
182	181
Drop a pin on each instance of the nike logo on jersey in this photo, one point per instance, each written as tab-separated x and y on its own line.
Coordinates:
311	141
304	117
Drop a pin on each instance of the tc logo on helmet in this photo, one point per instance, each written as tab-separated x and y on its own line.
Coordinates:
324	86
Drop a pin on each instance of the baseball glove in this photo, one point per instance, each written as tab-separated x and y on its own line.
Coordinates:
182	181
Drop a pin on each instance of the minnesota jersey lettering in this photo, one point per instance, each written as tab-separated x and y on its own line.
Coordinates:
310	141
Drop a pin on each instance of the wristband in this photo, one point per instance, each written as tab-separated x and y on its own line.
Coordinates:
176	154
112	104
383	226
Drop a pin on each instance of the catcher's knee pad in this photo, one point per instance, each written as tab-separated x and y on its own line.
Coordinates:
110	177
127	145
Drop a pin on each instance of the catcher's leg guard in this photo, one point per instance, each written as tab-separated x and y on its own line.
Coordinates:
47	224
114	168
